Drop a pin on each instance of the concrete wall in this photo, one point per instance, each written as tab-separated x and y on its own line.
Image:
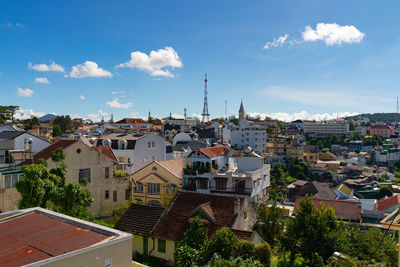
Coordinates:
90	158
120	253
144	155
9	199
137	244
169	249
37	143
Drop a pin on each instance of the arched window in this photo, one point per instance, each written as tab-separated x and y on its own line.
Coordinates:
171	189
138	188
106	142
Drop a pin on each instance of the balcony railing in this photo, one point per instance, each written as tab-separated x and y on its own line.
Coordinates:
239	191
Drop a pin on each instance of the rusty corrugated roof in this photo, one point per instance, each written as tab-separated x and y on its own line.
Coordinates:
34	237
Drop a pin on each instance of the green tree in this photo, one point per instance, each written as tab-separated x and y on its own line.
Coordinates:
36	186
7	113
65	123
196	235
270	223
384	190
312	230
57	130
58	156
223	243
263	253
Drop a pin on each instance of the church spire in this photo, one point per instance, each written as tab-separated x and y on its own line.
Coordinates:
241	111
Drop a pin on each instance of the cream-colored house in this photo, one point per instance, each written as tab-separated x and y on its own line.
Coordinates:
9	195
95	164
157	182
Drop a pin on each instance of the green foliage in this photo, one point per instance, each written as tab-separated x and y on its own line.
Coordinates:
100	222
263	253
71	199
245	250
384	190
312	230
36	186
196	235
64	122
217	261
118	174
7	113
270	223
42	161
57	155
57	130
185	256
30	123
223	243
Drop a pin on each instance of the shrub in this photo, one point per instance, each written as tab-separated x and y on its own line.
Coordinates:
245	250
262	252
185	256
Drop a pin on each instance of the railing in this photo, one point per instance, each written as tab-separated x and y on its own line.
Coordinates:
240	191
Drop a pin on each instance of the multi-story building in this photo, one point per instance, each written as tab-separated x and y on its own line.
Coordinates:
9	195
217	170
382	130
326	128
135	151
246	134
17	146
157	182
284	145
96	165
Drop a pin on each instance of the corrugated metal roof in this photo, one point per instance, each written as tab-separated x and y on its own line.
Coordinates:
34	237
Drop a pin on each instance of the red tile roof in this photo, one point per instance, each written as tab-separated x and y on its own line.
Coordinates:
380	127
175	222
344	209
46	153
386	202
34	237
212	152
107	151
174	165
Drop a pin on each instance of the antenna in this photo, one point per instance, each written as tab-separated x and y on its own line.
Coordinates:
397	110
226	113
205	116
184	112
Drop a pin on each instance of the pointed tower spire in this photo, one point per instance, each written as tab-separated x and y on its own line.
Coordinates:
205	116
241	111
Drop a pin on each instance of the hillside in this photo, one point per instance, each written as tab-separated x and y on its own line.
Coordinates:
47	117
375	117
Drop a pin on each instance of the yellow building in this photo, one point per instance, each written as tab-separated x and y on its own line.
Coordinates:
157	182
95	164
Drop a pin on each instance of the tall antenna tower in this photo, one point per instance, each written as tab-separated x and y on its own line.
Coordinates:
205	116
397	110
226	113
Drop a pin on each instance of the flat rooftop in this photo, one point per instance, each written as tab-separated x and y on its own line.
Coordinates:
37	234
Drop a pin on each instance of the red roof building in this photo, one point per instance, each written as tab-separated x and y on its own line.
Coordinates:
389	204
384	131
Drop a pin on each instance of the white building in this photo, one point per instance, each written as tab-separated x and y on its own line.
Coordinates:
215	170
326	128
135	151
247	134
21	142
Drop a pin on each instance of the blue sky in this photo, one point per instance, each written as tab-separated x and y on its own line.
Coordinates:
286	59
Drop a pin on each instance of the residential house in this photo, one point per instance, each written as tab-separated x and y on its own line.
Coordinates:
326	156
317	189
6	127
337	127
284	145
96	165
389	204
132	124
183	149
214	210
9	195
345	210
39	237
343	192
382	130
310	153
18	146
134	151
157	182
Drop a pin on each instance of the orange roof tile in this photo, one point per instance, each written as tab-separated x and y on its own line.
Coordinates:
212	152
386	203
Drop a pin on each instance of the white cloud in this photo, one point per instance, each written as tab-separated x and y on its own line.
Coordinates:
276	42
24	92
43	67
302	115
19	24
333	33
94	117
102	113
82	97
154	63
177	116
42	80
343	98
134	114
88	69
113	93
23	114
116	104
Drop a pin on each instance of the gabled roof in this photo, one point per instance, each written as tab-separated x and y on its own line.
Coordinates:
212	152
131	120
175	221
11	134
386	203
107	151
46	153
139	219
344	189
204	209
320	190
175	166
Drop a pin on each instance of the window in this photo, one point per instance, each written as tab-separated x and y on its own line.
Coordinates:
202	183
162	245
84	173
151	144
107	194
138	188
10	179
245	215
171	189
220	184
153	188
127	193
108	262
107	172
115	196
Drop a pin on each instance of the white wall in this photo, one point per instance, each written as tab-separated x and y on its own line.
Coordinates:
37	143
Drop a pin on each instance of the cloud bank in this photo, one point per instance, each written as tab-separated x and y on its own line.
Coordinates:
45	68
88	69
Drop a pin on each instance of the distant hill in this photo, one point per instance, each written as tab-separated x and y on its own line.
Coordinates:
47	117
375	117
